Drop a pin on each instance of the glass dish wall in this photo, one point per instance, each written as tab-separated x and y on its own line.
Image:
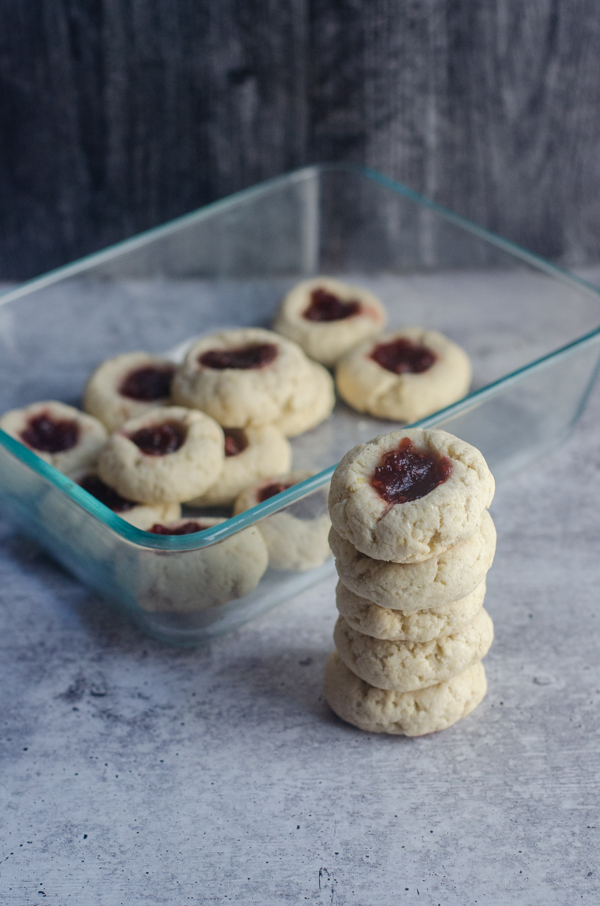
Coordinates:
530	329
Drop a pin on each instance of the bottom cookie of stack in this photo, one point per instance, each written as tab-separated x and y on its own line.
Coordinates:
402	713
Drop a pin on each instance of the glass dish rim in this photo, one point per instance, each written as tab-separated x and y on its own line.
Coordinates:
248	518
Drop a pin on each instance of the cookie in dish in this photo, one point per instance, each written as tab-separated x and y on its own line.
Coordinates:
404	375
61	435
296	537
327	318
249	377
195	580
127	386
168	455
251	454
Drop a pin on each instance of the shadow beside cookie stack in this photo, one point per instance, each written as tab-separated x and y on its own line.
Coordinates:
413	542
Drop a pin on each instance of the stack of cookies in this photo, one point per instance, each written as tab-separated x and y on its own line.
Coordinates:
413	542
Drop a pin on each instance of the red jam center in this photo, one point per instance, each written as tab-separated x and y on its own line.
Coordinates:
159	440
255	355
188	528
235	441
49	436
148	383
403	357
272	489
325	306
108	496
405	474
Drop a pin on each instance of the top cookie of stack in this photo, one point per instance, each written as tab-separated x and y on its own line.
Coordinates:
443	483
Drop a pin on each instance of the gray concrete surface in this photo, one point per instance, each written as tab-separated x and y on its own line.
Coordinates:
133	773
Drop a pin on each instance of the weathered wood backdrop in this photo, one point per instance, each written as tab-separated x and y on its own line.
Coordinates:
116	115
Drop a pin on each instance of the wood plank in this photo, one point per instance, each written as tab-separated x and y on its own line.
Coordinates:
119	114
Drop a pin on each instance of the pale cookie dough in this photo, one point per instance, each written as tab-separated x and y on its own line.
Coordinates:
185	470
196	580
296	419
427	585
141	515
245	377
327	317
416	529
405	666
267	453
402	713
368	386
127	386
396	626
296	538
59	434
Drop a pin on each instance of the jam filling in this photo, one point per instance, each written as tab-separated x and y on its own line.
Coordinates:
325	306
49	436
188	528
403	357
108	496
152	382
405	474
158	440
272	489
255	355
235	441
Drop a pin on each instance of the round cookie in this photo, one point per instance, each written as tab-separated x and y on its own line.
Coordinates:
296	419
250	455
141	515
245	377
402	713
170	454
59	434
404	375
127	386
427	585
195	580
405	666
296	537
327	317
410	495
419	626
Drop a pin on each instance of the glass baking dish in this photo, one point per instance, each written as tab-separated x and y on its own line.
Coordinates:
530	328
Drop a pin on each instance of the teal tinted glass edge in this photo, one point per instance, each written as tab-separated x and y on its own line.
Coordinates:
319	480
285	498
147	539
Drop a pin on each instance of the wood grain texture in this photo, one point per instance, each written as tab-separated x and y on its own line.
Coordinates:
119	114
493	109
